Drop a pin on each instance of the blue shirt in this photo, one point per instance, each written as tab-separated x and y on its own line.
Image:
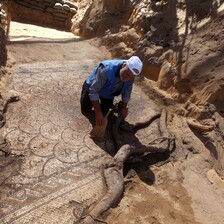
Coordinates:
101	79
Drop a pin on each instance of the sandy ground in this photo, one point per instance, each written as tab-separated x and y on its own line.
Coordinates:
19	31
35	43
184	191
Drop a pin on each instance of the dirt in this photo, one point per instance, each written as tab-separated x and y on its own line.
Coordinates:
189	187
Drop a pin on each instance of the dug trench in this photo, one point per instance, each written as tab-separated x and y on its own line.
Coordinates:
59	160
54	169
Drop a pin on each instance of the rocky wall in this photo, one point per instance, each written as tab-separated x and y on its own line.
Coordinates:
3	28
3	62
55	14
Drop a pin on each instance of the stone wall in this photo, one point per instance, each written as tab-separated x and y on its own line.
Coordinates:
3	62
3	28
51	13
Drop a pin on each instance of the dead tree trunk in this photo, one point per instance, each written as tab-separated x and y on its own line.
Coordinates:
113	172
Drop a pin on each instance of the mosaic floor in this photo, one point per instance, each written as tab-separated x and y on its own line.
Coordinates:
59	173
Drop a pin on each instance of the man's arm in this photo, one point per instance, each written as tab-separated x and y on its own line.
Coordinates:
125	99
124	110
98	113
94	90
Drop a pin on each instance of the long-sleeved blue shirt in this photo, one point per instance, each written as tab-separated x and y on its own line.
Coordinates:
100	81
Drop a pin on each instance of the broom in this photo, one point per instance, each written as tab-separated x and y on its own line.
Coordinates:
98	132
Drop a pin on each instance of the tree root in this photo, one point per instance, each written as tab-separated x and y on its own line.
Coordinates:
199	127
139	125
113	171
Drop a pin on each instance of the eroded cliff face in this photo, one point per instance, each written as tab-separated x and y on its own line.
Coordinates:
157	31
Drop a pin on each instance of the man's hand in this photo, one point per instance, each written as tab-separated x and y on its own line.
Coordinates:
123	110
99	118
98	114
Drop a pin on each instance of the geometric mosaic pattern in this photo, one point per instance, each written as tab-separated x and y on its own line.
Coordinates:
61	162
61	169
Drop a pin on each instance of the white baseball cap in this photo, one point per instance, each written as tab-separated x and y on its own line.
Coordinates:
135	65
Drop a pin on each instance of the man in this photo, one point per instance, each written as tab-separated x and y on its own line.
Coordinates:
109	79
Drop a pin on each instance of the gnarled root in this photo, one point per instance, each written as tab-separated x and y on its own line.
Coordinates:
113	172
